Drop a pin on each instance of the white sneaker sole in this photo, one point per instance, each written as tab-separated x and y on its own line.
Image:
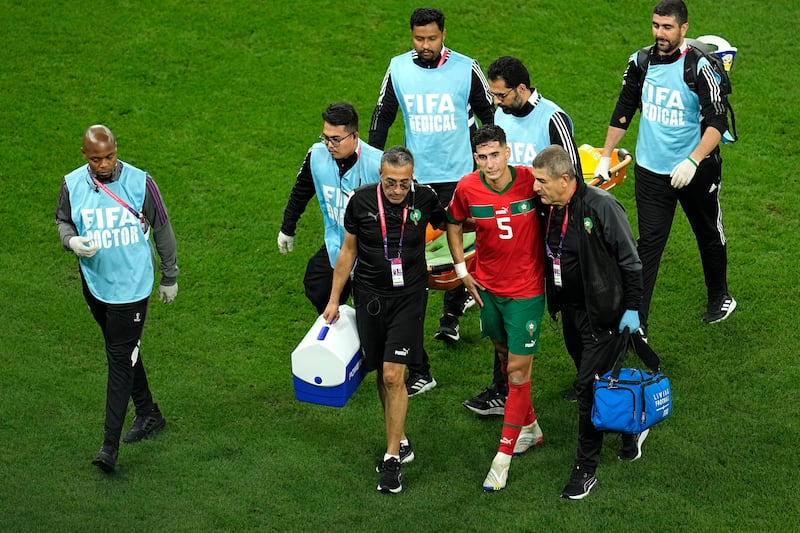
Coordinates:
390	491
447	337
583	494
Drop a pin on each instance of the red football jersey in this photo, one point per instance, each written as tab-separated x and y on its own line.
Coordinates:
509	260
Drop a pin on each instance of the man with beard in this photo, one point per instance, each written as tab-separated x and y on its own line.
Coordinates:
677	154
440	92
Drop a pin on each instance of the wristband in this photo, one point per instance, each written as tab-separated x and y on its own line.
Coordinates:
692	161
461	270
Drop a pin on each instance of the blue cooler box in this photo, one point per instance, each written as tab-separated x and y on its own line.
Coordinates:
327	363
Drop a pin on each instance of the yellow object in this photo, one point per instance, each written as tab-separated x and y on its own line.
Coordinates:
590	157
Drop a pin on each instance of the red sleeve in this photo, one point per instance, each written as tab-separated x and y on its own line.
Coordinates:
458	210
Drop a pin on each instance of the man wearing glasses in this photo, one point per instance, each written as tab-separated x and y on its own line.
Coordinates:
439	91
385	231
531	123
333	168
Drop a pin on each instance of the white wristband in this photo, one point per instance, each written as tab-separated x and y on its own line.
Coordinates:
461	270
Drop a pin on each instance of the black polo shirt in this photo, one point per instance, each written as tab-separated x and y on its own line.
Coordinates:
373	269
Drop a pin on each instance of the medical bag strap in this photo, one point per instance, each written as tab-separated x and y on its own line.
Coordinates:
645	352
640	348
625	344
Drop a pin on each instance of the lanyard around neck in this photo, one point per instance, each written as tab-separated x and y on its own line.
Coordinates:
384	234
563	233
563	228
443	58
117	199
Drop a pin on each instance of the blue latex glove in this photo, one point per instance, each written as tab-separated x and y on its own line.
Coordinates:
630	320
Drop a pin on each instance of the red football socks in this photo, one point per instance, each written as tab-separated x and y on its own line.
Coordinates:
519	412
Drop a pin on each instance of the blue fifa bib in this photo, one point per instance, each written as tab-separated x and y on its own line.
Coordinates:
435	105
669	128
334	192
528	135
122	270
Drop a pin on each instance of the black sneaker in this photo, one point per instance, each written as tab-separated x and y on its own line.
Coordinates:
106	459
719	309
448	329
581	482
419	383
406	456
632	446
391	479
145	426
491	401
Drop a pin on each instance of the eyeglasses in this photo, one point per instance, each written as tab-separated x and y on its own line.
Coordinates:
390	184
502	96
334	141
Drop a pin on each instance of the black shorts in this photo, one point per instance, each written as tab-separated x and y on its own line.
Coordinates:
390	327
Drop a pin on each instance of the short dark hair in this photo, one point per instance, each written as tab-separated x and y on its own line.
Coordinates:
397	156
556	161
511	70
422	16
487	134
672	8
341	114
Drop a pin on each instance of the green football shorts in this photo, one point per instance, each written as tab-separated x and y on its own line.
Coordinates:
514	322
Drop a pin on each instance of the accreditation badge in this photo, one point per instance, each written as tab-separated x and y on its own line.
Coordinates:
397	272
557	271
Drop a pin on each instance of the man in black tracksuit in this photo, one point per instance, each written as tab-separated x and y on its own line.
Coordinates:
677	154
594	278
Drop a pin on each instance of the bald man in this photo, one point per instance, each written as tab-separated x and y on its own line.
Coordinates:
107	212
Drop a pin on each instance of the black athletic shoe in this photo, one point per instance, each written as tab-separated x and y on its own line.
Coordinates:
406	456
106	459
419	383
145	426
391	479
719	309
491	401
581	482
448	329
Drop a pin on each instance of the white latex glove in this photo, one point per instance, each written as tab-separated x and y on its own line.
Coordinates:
167	293
83	246
602	170
285	243
683	173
